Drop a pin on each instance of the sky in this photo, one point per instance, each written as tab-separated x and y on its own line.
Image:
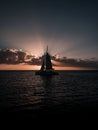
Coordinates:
68	27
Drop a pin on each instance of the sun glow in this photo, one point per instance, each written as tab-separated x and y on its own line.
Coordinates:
19	67
37	67
71	68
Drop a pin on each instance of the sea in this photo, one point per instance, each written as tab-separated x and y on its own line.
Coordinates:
70	95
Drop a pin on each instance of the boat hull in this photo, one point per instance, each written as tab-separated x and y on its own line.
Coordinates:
46	73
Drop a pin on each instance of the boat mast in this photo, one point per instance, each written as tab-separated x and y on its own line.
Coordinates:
47	49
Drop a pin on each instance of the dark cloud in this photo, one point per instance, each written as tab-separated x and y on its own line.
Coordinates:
14	56
90	63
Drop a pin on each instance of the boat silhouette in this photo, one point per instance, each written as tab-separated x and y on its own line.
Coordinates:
46	67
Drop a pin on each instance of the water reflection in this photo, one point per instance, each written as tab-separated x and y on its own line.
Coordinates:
48	83
23	87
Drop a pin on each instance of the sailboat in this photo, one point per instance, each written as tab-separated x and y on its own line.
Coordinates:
46	67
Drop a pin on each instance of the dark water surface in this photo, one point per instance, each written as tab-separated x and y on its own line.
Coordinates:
26	95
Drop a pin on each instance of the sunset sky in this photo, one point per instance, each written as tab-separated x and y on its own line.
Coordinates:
68	27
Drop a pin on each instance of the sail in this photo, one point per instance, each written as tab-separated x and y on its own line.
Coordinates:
43	65
46	67
48	62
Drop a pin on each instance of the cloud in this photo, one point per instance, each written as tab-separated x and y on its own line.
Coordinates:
71	62
14	56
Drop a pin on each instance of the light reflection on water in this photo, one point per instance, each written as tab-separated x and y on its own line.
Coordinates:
19	88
